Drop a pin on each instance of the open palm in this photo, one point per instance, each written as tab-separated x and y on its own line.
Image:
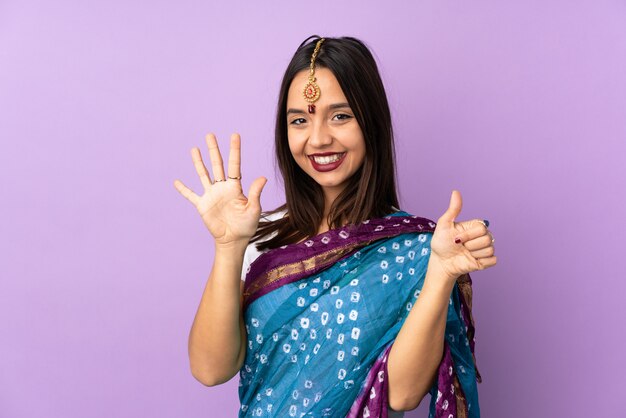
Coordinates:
228	214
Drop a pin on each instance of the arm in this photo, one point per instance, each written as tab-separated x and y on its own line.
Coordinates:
456	248
217	340
218	335
417	351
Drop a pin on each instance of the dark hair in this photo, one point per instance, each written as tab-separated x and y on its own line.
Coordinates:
371	191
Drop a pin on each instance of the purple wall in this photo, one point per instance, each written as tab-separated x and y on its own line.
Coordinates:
522	107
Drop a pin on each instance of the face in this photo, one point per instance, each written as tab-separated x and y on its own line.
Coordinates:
328	144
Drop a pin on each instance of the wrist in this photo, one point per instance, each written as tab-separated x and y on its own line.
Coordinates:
437	275
232	247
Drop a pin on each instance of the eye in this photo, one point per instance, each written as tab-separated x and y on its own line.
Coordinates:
342	116
298	121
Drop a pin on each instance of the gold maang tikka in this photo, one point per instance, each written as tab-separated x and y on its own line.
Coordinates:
311	90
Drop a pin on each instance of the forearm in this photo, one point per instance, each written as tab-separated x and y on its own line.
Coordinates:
217	333
418	349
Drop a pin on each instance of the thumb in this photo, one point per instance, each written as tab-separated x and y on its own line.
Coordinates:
254	195
456	203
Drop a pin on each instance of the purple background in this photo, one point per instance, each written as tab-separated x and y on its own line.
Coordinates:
522	107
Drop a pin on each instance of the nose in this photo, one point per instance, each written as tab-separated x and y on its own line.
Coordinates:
320	136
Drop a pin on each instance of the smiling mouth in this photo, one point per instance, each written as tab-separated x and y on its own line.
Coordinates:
328	162
327	159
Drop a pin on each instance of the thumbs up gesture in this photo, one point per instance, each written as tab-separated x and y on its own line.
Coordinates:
461	247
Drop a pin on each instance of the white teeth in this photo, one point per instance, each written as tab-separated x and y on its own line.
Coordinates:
327	159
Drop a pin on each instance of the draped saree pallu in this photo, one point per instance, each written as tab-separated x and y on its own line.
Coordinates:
321	317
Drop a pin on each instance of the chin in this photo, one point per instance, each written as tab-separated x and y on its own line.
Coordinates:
331	183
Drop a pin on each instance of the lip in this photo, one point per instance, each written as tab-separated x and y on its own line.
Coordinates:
324	154
326	167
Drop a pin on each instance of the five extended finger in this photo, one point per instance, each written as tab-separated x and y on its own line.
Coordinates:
186	192
203	173
234	157
216	158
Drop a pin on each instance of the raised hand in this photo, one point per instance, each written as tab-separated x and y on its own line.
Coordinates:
230	217
473	249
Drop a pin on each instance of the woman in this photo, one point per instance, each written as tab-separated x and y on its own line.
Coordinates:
350	306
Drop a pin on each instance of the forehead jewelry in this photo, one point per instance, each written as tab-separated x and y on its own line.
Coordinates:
311	90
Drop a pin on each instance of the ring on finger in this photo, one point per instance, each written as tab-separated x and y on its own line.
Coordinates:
234	178
216	181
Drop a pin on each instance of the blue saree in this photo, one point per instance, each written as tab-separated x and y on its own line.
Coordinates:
322	315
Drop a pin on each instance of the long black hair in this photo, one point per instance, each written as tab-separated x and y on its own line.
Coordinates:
371	191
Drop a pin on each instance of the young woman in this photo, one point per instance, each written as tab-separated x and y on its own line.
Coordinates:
349	306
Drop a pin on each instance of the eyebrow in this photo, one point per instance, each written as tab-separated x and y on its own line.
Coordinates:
331	107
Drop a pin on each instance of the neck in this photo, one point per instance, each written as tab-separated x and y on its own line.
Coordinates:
324	225
330	194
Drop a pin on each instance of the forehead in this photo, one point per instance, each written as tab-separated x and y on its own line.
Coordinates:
329	87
